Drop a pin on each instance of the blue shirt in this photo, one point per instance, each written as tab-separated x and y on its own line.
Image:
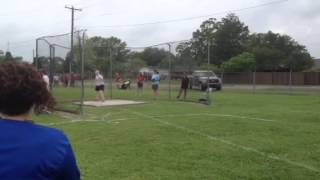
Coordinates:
31	152
155	79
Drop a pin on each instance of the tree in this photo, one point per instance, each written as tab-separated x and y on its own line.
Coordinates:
299	61
230	39
268	59
102	49
8	56
154	56
2	59
275	52
185	57
227	38
210	67
240	63
200	39
135	64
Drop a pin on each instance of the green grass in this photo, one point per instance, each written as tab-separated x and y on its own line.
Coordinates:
240	136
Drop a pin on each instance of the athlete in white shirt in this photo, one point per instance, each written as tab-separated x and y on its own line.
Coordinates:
46	80
99	87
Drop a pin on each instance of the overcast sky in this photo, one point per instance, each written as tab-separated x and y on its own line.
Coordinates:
21	21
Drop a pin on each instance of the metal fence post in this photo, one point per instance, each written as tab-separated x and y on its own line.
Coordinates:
110	60
37	54
169	71
208	67
254	81
290	80
81	44
51	64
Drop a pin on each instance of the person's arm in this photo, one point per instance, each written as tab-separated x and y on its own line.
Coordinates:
69	169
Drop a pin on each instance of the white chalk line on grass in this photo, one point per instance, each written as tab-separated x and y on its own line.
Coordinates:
245	148
103	118
218	115
73	119
90	120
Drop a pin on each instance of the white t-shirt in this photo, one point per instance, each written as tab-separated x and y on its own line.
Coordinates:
46	80
99	80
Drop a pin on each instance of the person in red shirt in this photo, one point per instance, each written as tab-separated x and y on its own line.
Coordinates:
140	81
118	80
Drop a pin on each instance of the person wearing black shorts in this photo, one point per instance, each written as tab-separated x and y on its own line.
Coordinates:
184	86
99	87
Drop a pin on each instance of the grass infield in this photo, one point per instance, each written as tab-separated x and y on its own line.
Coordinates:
240	136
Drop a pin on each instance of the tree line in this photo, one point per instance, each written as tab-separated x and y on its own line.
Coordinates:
231	46
8	57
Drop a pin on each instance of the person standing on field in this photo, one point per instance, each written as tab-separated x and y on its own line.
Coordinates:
155	79
99	86
184	86
45	78
118	80
140	81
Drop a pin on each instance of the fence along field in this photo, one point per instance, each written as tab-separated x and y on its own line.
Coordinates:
241	136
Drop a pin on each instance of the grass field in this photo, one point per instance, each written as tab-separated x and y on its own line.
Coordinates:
240	136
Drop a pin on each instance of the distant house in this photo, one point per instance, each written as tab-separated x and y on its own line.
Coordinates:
1	53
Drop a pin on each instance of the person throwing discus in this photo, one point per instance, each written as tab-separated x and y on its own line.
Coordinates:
99	86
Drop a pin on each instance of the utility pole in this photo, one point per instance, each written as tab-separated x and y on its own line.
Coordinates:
72	27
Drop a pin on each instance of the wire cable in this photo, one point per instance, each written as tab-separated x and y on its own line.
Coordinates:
188	18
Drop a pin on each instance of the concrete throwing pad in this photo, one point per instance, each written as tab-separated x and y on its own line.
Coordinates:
113	102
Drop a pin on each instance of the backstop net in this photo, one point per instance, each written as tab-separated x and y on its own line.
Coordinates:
64	64
123	67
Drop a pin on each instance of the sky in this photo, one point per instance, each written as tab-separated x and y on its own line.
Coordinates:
21	21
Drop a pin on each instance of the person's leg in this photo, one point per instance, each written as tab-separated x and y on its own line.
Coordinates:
141	90
157	93
97	96
154	91
102	95
179	93
184	93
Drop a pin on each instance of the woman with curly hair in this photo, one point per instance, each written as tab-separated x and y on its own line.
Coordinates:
28	150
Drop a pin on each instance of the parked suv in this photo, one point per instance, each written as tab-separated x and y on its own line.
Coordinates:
199	79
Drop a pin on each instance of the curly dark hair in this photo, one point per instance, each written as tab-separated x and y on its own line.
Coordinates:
21	88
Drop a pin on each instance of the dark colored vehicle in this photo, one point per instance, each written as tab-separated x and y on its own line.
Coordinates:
199	80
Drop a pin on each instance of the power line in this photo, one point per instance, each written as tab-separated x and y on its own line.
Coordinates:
159	22
189	18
